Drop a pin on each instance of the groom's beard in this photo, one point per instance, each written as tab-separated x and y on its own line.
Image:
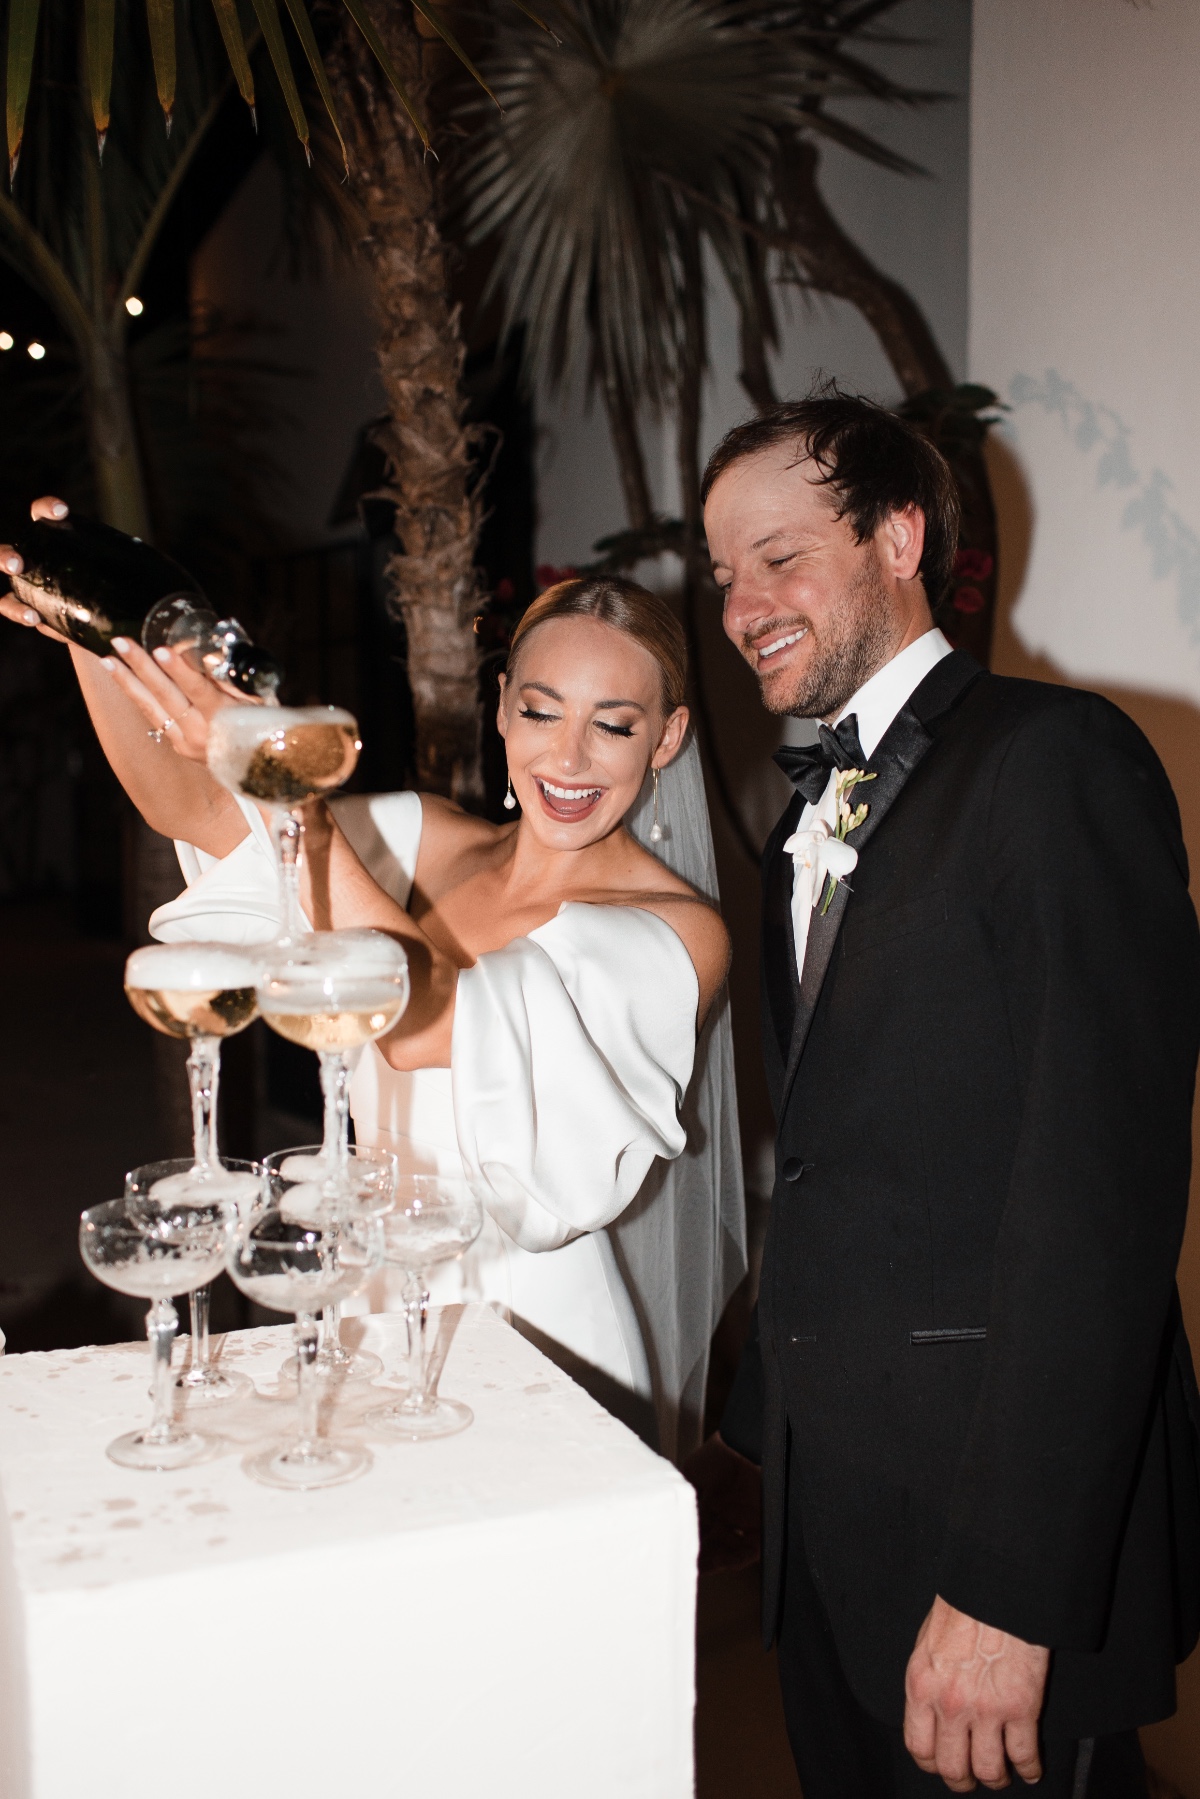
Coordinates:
854	641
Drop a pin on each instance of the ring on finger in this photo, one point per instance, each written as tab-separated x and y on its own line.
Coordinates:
168	724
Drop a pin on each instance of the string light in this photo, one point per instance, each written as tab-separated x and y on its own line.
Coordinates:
6	340
134	307
37	351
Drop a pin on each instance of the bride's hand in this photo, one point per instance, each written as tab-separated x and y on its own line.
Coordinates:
172	696
12	607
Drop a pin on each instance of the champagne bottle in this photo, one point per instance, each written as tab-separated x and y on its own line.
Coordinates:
91	584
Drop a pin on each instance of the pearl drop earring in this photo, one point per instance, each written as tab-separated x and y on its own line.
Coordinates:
510	798
656	830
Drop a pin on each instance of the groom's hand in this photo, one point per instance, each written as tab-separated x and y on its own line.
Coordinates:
973	1698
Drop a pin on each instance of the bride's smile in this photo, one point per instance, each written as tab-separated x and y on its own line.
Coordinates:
583	716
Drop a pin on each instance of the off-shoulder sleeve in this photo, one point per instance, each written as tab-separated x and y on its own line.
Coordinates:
572	1050
235	898
228	899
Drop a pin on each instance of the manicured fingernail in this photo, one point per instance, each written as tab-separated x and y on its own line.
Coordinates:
122	644
12	565
109	663
58	509
162	655
31	617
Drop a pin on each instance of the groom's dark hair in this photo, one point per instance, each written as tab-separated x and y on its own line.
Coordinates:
874	462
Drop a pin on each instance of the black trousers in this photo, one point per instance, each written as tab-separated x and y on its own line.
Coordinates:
841	1752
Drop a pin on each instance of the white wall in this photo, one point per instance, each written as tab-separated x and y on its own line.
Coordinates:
1085	260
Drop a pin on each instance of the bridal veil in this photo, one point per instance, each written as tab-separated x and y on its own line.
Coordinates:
682	1243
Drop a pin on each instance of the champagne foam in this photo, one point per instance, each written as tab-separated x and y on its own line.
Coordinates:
190	968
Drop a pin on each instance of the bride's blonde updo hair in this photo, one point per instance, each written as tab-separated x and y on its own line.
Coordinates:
612	599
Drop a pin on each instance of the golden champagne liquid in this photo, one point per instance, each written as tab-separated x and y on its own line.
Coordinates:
345	1029
300	762
179	1012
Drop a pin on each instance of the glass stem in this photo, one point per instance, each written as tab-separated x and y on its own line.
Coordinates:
306	1385
331	1331
287	832
416	1314
204	1074
337	1069
200	1299
161	1325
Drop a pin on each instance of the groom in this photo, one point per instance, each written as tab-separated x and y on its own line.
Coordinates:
969	1387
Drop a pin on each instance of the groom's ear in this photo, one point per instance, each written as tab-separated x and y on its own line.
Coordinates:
900	541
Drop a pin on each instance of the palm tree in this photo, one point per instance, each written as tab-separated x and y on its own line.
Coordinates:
58	237
657	128
432	478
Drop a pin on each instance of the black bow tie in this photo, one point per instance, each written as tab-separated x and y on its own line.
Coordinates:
808	767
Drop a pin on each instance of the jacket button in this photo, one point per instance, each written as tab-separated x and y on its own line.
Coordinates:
793	1168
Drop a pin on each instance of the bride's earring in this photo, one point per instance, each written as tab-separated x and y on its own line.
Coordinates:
510	798
656	830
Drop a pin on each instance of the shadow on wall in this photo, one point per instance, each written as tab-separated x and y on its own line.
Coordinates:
1173	727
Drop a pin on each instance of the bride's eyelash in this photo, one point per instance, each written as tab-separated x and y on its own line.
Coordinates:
537	717
614	730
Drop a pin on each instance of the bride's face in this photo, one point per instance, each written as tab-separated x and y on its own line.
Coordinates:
582	719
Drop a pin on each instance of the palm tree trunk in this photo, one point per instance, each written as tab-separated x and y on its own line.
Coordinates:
834	264
695	560
431	478
116	461
631	463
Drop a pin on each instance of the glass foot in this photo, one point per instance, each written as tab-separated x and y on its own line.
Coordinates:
179	1450
340	1364
329	1464
211	1386
440	1418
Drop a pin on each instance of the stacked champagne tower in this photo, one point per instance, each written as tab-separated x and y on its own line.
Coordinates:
304	1230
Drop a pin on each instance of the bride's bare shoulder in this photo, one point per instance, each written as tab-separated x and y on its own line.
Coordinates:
695	921
448	832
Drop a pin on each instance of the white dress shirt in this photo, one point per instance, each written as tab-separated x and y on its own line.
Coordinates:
875	705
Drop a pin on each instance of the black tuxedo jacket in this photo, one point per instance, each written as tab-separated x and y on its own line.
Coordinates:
968	1353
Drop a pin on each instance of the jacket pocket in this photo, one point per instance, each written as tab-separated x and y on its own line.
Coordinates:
927	913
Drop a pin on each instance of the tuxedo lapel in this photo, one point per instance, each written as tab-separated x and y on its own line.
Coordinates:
780	980
904	746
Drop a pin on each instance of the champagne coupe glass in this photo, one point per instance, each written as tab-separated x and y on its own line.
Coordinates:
300	1176
436	1219
201	992
238	1184
299	1267
152	1253
334	992
283	756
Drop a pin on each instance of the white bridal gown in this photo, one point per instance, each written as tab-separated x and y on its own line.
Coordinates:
572	1051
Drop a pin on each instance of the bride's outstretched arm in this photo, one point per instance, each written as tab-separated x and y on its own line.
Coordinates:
175	794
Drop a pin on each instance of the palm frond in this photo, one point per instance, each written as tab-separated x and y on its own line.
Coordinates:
100	23
22	42
160	17
235	50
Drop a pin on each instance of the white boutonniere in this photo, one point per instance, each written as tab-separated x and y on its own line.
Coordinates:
821	857
837	868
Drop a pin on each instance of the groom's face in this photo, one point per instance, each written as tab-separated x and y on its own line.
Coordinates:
813	611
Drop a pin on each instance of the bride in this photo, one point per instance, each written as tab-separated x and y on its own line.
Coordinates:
567	1043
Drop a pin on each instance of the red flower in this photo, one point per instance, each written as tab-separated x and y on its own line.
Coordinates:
549	576
973	565
969	599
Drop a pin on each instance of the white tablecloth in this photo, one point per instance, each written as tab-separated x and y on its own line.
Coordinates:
506	1614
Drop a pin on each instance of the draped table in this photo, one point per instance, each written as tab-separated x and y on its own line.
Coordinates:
508	1612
